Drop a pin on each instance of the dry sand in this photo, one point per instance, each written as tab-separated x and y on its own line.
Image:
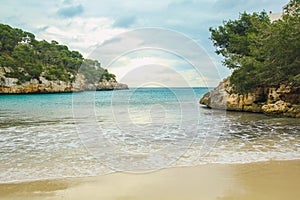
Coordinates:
265	180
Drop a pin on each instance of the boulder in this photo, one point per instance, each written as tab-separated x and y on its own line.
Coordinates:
281	101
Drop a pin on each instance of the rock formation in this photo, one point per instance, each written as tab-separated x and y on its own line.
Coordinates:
105	85
42	85
111	84
283	100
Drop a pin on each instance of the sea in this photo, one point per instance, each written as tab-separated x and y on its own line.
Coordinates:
93	133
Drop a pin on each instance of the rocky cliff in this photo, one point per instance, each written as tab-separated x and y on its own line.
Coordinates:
105	85
282	101
42	85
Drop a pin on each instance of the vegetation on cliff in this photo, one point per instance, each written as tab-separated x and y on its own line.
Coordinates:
28	58
261	53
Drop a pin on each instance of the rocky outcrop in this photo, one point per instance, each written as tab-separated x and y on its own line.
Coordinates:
112	84
11	86
105	85
282	101
42	85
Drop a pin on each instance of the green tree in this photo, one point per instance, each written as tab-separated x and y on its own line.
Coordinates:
293	7
23	53
259	52
29	58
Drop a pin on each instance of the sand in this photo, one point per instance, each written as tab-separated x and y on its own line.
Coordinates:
265	180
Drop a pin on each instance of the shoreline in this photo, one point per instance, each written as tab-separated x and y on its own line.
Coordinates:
147	172
62	92
259	180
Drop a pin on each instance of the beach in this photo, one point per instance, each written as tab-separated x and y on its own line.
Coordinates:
225	155
262	180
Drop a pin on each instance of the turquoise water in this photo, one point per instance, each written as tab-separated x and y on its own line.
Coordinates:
93	133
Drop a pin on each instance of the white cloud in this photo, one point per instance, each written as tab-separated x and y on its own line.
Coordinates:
160	69
125	64
80	34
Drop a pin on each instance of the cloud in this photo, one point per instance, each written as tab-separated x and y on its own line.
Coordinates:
41	29
112	41
228	4
156	47
80	34
67	2
70	11
148	66
159	75
232	7
124	22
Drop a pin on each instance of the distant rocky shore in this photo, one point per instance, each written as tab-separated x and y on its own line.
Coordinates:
280	101
42	85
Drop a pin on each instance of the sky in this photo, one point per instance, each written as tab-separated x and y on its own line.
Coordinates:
145	43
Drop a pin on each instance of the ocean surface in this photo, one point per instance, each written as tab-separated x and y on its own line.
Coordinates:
47	136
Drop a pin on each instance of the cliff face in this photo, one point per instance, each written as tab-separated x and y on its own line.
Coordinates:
284	100
42	85
105	85
112	84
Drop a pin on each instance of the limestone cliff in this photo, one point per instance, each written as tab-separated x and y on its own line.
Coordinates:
42	85
104	85
283	100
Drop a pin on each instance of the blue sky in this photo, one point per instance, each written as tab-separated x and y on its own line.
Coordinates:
84	24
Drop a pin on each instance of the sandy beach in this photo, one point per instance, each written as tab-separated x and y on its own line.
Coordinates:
264	180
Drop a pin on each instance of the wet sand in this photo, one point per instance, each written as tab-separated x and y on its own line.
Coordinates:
265	180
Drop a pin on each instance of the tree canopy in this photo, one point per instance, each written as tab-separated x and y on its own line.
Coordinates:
259	52
29	58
